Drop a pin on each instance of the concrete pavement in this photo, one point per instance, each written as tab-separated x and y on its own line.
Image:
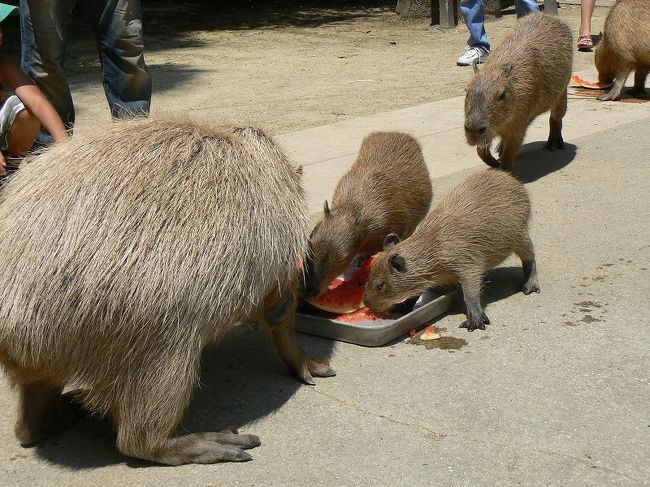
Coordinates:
554	392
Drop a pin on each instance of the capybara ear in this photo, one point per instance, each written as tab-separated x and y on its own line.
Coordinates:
390	241
475	66
326	209
397	262
358	220
507	69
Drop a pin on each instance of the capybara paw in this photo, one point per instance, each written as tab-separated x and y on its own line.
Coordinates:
554	143
213	447
475	322
609	97
320	367
530	287
233	438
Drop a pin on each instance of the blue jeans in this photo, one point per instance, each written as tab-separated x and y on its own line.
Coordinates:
474	14
117	25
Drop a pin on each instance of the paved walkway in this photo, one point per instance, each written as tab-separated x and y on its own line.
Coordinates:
554	392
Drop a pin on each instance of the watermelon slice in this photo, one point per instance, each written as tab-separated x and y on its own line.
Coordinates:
430	333
344	296
362	314
575	79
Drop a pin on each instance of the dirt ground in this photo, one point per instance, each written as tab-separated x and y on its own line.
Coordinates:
288	68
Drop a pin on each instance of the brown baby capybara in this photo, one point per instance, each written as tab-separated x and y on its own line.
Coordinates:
472	229
387	190
625	47
125	253
525	76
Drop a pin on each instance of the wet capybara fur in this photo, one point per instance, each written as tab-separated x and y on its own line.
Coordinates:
525	76
125	253
625	47
473	228
387	190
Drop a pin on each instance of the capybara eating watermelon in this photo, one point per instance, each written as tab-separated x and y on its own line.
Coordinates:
472	229
387	190
125	253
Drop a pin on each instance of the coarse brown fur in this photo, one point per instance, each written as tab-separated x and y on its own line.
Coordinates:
525	76
125	253
472	229
387	190
625	47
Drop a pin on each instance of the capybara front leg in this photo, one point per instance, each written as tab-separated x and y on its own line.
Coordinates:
476	317
509	149
527	255
640	76
615	93
42	411
558	111
280	318
486	156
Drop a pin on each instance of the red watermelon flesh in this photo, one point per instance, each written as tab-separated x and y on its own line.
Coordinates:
588	84
345	296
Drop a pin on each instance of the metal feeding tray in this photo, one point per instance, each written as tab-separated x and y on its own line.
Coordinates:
374	333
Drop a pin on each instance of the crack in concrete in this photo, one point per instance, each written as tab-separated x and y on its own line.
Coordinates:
429	432
438	436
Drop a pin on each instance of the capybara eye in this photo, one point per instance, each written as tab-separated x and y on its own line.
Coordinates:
502	96
380	286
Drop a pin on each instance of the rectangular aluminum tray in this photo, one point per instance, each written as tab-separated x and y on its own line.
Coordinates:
377	332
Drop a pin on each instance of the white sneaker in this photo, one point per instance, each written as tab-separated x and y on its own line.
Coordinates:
473	53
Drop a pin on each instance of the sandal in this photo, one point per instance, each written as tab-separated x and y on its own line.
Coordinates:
585	43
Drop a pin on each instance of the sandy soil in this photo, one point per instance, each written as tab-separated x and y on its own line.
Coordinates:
290	68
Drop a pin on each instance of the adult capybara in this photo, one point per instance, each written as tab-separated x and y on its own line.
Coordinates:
472	229
125	253
525	76
387	190
625	47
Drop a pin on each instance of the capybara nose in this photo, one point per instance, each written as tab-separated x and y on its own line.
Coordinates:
480	130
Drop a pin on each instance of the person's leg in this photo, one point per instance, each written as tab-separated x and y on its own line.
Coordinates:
586	11
474	14
44	28
127	82
525	7
23	133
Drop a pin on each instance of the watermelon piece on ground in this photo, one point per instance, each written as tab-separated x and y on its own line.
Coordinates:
575	79
430	333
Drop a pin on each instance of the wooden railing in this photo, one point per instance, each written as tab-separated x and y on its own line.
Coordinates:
445	12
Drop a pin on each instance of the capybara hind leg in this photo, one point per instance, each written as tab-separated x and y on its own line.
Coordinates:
558	111
42	411
147	414
527	256
615	93
486	156
280	318
476	317
640	76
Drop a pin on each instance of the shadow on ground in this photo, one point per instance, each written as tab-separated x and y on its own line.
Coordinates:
164	15
242	380
534	162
